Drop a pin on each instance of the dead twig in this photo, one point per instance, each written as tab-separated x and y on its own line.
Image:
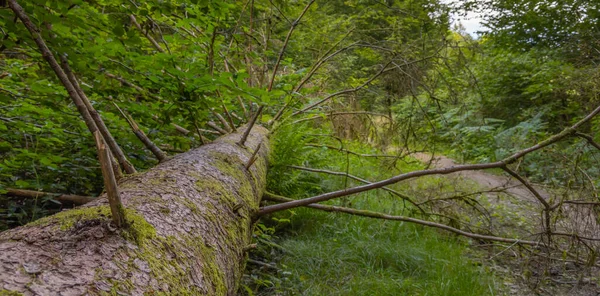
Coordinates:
252	158
217	128
158	153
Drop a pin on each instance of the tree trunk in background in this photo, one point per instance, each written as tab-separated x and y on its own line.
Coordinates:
191	220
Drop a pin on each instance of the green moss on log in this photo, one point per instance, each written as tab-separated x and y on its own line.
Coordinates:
10	293
168	260
65	220
235	169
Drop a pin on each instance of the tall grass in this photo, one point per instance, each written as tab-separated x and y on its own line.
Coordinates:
331	254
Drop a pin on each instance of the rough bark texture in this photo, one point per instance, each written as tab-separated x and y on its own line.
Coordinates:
190	216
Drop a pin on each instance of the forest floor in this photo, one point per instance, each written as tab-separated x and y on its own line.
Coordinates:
507	194
309	252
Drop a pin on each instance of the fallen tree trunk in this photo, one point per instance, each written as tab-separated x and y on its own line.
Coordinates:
190	218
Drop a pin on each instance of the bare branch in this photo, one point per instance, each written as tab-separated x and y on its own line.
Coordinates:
179	128
223	121
314	69
575	235
589	139
63	198
158	153
250	125
346	91
332	114
352	152
237	117
229	118
563	134
466	195
217	128
581	202
371	214
401	195
252	158
441	171
285	43
375	185
535	193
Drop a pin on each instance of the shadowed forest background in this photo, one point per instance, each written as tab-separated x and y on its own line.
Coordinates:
481	150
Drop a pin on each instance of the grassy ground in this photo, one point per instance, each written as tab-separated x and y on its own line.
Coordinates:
332	254
308	252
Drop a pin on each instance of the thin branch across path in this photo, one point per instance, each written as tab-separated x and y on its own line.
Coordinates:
441	171
377	215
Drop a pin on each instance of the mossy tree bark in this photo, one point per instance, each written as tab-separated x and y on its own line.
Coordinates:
190	218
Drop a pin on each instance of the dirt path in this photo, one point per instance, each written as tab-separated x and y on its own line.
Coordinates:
485	179
519	201
576	219
512	207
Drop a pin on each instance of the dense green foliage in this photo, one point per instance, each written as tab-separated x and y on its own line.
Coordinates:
206	56
349	78
45	145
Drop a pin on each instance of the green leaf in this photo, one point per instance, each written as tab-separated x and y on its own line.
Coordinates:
46	161
118	30
22	183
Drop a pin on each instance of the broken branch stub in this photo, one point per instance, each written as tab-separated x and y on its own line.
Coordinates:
110	183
